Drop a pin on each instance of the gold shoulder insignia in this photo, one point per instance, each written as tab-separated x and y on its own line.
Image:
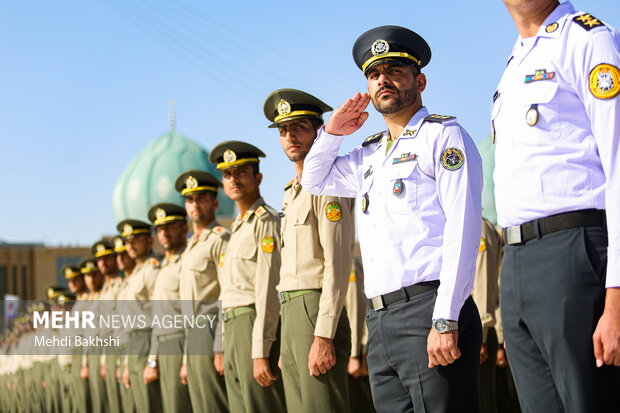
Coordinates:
587	21
373	138
287	186
218	229
155	262
260	211
439	118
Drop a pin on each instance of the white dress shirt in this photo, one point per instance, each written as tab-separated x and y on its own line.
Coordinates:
430	228
558	143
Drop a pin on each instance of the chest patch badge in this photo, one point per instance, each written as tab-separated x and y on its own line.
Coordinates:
398	187
365	202
268	244
452	159
540	74
405	157
483	245
220	261
333	211
605	81
531	117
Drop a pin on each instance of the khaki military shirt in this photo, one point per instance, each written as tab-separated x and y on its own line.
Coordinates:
166	299
356	306
251	272
486	283
318	234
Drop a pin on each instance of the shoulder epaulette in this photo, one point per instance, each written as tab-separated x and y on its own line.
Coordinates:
260	211
219	230
587	21
373	138
287	186
154	262
439	118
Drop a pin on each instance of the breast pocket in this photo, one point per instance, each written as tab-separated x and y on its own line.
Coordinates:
246	251
540	108
403	192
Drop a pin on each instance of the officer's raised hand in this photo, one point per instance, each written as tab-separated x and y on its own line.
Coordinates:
350	116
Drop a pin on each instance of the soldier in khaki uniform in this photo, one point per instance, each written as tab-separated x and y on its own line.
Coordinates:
317	246
360	397
251	273
166	352
105	255
134	299
199	290
486	296
92	355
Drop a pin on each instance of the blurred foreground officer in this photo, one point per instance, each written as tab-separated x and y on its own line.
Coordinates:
199	289
166	352
556	118
360	397
419	219
251	273
135	295
317	244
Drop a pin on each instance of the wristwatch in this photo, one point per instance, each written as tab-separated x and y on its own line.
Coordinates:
441	325
152	363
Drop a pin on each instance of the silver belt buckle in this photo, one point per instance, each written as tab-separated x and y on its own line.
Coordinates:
513	235
281	298
377	303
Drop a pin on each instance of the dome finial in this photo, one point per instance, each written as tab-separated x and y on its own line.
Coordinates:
172	116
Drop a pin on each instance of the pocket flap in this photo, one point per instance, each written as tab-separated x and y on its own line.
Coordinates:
246	250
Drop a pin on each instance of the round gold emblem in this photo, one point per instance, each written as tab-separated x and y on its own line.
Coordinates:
605	81
160	214
531	117
118	243
100	248
230	156
127	229
380	47
284	108
552	27
191	182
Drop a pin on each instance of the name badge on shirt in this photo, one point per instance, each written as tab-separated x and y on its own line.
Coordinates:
405	157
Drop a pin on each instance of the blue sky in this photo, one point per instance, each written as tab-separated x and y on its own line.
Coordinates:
85	85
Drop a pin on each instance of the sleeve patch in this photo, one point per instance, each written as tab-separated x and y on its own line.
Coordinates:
333	211
483	245
587	21
605	81
452	159
268	244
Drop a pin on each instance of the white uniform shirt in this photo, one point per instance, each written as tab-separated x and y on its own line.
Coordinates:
565	161
431	230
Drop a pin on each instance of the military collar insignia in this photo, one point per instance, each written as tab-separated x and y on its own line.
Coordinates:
229	156
191	182
552	27
380	47
587	21
540	74
409	132
373	138
405	157
290	184
438	118
605	81
284	108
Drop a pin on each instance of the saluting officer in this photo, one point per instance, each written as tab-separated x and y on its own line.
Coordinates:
556	122
199	290
135	295
317	246
419	216
166	351
251	273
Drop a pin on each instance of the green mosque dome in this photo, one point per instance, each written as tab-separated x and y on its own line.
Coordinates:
487	152
149	178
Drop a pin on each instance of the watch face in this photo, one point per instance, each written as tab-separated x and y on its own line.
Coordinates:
441	325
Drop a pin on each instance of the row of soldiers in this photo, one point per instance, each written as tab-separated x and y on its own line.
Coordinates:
290	332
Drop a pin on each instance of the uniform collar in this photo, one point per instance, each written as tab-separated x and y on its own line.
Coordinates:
559	15
175	258
248	214
410	132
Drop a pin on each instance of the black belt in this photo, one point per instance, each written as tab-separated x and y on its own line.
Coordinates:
554	223
404	294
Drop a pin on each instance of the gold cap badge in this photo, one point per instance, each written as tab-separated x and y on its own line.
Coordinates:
284	108
230	156
160	214
100	248
127	229
191	182
380	47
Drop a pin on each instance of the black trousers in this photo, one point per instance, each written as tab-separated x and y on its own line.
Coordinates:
398	361
552	296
